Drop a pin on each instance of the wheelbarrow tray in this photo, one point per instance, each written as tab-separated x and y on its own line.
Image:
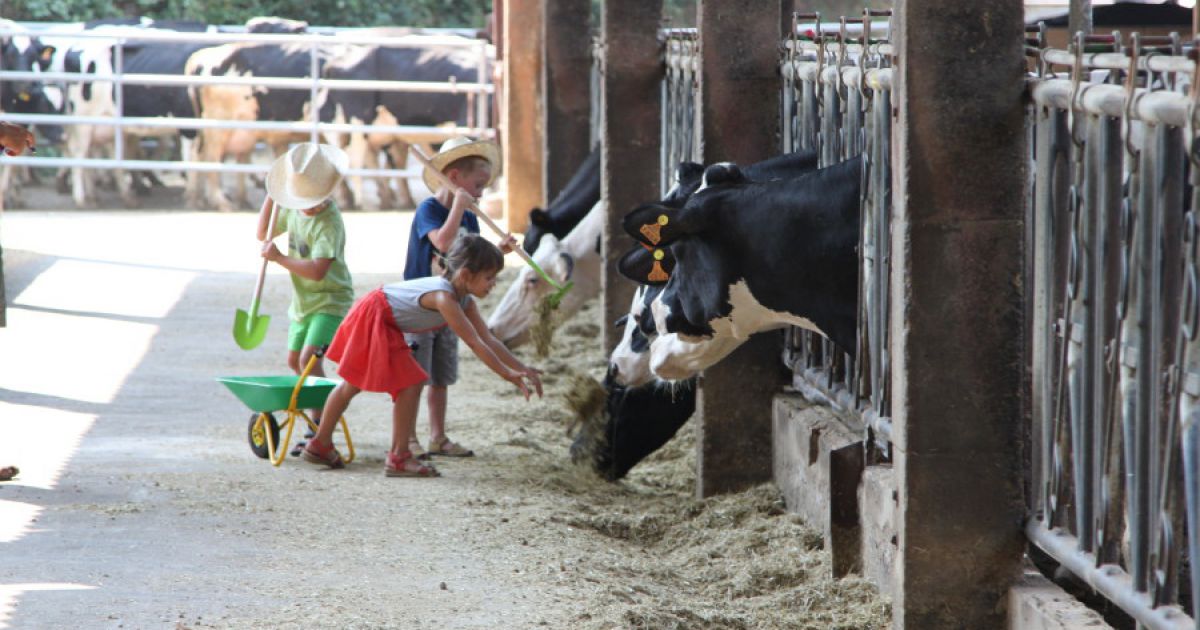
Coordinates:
273	393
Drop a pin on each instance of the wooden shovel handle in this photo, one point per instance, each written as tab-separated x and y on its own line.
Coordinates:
262	273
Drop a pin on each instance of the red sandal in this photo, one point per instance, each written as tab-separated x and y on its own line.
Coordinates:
405	465
314	453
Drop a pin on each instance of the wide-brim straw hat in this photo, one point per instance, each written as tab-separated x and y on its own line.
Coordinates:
458	148
306	175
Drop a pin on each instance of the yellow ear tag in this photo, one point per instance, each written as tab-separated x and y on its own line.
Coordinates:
662	219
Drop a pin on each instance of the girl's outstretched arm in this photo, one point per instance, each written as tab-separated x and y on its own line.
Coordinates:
500	350
445	304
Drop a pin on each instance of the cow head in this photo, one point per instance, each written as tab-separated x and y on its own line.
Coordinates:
539	226
748	257
514	315
27	54
629	364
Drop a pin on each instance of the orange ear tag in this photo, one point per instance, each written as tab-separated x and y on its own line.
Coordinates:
657	274
653	231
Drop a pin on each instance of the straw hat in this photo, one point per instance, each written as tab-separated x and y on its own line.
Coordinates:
458	148
306	175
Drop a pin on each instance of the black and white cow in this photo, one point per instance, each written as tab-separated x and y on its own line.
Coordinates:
569	206
748	256
24	53
245	103
98	97
629	362
419	58
636	422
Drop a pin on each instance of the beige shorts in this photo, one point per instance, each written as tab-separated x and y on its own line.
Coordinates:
437	353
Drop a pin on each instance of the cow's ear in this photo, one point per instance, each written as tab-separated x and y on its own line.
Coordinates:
539	217
653	224
688	172
724	173
652	266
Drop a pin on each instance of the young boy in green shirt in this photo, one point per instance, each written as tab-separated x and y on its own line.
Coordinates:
300	183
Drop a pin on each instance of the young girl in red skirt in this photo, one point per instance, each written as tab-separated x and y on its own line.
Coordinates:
373	356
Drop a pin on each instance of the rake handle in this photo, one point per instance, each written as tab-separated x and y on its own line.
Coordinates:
441	177
262	273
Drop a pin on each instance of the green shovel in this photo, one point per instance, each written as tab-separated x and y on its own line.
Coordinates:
250	328
554	299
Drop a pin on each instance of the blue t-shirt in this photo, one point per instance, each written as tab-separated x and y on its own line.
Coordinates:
430	216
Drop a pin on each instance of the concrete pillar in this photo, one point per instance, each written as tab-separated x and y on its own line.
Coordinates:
959	186
566	89
522	102
739	114
630	135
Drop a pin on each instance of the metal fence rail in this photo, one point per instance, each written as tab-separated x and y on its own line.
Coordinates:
478	92
837	101
1115	363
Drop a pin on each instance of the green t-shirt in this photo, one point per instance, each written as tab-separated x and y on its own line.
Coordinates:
320	236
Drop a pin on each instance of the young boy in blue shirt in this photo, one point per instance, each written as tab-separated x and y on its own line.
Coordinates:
471	166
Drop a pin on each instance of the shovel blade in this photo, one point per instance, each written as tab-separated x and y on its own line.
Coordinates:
249	331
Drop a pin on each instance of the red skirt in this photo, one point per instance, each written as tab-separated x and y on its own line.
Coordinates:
370	349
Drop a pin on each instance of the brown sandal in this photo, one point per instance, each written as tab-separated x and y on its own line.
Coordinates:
399	466
414	447
8	472
443	446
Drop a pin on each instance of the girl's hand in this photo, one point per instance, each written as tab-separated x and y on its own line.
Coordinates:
535	376
270	252
518	379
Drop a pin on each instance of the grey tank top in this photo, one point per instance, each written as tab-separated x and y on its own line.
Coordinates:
404	298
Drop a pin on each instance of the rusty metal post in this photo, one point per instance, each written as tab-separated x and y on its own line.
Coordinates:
631	77
739	103
566	89
523	132
959	181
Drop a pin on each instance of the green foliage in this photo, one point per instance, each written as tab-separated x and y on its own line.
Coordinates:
427	13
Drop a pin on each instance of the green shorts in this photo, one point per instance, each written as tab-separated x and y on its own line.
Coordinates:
315	330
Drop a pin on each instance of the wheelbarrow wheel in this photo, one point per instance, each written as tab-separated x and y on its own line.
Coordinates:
258	434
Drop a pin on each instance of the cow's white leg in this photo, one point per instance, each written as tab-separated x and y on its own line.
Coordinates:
398	150
79	145
358	149
239	196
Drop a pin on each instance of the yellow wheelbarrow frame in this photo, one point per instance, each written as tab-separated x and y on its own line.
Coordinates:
260	394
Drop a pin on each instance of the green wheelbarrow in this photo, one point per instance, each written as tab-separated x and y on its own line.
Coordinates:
289	394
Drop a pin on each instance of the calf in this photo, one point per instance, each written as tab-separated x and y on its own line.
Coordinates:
576	258
569	207
786	256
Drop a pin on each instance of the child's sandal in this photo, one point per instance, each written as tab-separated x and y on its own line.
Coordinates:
406	465
443	446
414	447
314	453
